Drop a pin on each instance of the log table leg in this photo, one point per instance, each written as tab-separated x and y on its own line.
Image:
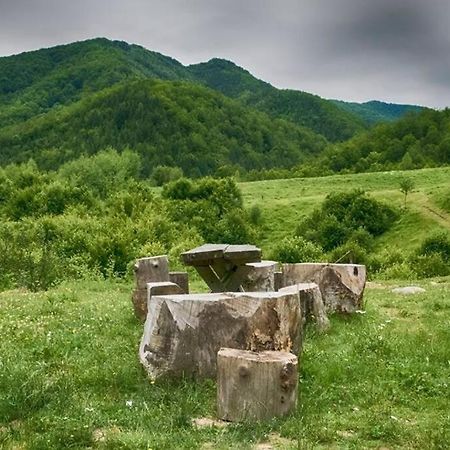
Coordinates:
255	386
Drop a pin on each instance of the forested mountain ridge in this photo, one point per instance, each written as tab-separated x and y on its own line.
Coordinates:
210	118
414	141
168	123
309	110
374	111
34	82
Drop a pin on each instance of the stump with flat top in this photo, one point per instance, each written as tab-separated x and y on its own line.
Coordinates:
255	386
183	333
341	285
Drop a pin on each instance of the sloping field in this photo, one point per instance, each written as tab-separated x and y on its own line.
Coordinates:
285	202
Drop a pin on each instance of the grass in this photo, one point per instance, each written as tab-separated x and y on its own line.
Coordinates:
70	378
285	202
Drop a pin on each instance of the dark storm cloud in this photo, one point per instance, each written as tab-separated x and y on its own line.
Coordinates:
394	50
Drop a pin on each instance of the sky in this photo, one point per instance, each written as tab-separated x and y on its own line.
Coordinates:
356	50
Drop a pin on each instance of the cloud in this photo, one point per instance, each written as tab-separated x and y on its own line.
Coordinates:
393	50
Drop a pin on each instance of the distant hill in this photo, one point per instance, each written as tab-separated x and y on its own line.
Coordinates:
414	141
79	98
374	112
311	111
172	123
34	82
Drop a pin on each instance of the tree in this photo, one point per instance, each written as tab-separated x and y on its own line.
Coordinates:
406	186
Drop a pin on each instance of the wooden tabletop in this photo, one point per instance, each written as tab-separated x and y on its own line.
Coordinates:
208	254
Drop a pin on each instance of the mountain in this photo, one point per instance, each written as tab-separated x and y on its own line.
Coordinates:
374	112
414	141
79	98
312	111
34	82
168	123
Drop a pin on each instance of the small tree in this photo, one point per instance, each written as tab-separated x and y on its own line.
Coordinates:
406	186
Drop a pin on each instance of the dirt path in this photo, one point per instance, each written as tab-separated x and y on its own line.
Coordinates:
429	209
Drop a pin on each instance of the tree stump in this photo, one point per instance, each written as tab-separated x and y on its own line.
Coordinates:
183	333
255	386
312	306
341	285
147	270
260	276
160	288
182	279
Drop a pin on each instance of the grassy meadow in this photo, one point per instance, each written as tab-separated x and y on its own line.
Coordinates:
70	375
285	202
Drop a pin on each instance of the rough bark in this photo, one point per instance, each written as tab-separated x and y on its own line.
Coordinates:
183	333
255	386
260	276
341	285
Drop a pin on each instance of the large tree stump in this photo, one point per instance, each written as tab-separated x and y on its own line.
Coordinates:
260	276
147	270
183	333
255	386
312	306
341	285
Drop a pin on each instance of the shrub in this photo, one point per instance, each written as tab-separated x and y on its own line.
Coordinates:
436	244
347	216
431	265
297	249
349	253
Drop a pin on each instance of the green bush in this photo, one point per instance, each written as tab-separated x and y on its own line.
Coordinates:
431	265
297	249
349	216
349	253
437	244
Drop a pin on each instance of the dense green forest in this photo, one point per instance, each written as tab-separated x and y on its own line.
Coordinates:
417	140
212	118
167	123
375	111
302	108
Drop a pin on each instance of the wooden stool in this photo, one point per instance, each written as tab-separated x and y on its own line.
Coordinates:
255	386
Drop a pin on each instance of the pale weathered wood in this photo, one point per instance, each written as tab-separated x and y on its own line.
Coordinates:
183	333
260	276
141	297
151	269
312	306
255	386
341	285
182	279
222	266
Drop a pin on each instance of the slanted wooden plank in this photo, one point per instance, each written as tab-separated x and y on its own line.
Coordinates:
204	254
244	253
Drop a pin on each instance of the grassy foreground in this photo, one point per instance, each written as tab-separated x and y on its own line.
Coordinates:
285	202
70	378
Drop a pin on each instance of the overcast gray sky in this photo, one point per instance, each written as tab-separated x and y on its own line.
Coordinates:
357	50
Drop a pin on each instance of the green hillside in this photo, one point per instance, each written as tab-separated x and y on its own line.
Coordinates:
375	111
34	82
167	123
416	140
308	110
284	203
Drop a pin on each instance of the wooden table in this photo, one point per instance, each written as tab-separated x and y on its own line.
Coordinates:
222	266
